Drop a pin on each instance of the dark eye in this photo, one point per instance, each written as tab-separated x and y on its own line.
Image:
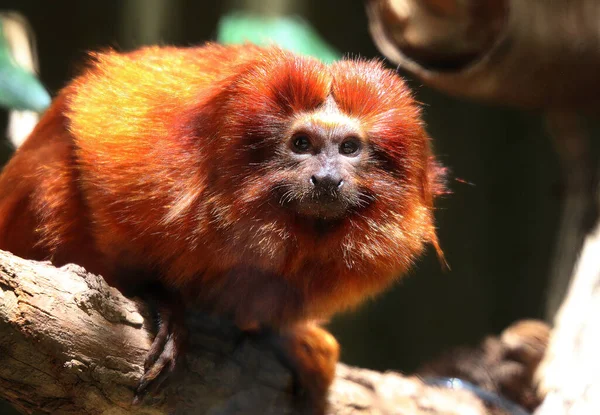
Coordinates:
301	144
350	147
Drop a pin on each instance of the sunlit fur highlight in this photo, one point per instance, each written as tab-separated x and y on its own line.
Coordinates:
162	161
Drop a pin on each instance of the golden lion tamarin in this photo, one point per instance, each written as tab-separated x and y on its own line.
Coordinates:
252	182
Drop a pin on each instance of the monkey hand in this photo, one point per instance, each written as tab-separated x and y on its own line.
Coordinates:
169	343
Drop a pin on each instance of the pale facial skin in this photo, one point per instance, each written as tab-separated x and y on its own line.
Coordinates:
327	150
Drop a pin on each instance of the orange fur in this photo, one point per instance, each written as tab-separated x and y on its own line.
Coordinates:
160	160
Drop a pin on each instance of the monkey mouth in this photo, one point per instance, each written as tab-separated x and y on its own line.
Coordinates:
317	204
323	207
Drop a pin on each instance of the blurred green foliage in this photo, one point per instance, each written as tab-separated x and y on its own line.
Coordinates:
19	89
291	33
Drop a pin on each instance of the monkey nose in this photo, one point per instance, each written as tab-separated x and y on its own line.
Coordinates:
328	182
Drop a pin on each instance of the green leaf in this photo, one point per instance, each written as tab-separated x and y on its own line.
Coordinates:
19	89
290	33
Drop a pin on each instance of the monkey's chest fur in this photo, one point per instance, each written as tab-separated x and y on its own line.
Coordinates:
276	288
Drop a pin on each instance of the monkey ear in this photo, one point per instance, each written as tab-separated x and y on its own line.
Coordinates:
437	178
436	182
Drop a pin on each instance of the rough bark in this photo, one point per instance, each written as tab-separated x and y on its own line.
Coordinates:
70	344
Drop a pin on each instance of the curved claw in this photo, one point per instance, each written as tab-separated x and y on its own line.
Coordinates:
166	351
158	371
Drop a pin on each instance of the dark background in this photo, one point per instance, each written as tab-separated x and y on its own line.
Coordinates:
497	232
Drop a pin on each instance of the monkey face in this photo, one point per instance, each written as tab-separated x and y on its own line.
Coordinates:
298	139
324	152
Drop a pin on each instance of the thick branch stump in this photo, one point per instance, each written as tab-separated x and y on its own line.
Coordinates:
570	373
70	344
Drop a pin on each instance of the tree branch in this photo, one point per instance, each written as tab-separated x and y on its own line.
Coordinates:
70	344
